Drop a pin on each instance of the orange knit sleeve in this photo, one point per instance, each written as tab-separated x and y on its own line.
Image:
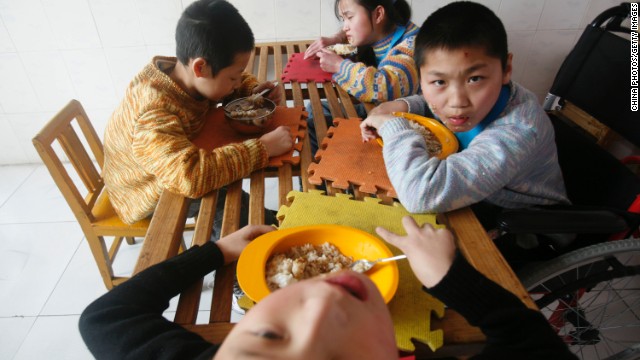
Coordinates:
162	148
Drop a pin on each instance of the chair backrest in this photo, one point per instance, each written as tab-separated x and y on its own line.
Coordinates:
70	130
596	74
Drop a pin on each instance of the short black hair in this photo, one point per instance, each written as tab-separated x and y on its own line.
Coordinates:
213	30
462	24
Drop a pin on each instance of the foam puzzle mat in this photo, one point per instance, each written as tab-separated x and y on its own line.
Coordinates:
347	161
411	308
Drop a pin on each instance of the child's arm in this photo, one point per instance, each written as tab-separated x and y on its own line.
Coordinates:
127	322
501	161
162	148
513	331
396	76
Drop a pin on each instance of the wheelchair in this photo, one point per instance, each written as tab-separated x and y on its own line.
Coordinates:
581	262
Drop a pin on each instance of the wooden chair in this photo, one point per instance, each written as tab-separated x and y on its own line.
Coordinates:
71	130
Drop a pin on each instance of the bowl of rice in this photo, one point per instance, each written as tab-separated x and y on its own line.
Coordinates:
441	142
283	257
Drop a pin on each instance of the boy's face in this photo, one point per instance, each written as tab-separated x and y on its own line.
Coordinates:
462	85
339	316
217	87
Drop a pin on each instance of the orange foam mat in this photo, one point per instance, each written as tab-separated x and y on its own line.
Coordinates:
347	161
217	132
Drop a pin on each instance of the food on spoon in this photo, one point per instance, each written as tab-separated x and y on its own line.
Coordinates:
303	262
343	49
434	146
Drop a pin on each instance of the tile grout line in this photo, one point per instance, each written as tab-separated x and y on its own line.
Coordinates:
33	170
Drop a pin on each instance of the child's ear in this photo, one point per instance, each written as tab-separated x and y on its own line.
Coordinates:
378	14
200	67
508	69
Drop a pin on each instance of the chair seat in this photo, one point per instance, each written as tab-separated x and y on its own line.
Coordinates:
107	221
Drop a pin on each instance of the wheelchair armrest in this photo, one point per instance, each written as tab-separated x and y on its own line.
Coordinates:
560	221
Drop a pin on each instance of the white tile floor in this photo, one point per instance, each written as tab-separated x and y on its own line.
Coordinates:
47	274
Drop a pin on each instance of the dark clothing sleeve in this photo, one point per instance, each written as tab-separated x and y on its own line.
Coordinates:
513	331
127	322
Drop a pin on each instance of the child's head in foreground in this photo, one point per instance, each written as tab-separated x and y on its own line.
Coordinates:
214	42
461	51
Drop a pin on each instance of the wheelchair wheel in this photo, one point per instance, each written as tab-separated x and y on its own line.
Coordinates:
591	296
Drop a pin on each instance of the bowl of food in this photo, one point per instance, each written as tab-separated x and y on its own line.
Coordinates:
441	142
343	49
283	257
248	115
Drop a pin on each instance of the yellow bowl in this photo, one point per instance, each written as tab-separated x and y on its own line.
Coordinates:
350	241
446	137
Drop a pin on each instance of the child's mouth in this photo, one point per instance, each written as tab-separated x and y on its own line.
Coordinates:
458	120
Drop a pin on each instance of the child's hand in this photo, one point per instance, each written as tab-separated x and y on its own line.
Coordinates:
369	126
321	43
233	244
274	95
389	107
430	251
278	141
329	61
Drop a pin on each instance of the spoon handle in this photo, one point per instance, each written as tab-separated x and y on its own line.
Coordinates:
397	257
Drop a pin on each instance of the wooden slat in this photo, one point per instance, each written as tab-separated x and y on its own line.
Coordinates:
256	199
479	249
251	63
62	179
189	301
319	119
81	161
262	64
225	276
165	231
332	100
285	183
347	103
90	134
278	66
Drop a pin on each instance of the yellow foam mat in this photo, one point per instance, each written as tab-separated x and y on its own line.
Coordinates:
411	307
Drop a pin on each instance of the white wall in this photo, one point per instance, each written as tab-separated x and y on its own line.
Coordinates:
55	50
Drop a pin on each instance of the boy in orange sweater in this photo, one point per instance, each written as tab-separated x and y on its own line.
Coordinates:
147	141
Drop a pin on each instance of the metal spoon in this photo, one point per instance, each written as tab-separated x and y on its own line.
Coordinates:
257	96
363	265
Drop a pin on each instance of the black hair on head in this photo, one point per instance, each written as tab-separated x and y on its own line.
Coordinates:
462	24
213	30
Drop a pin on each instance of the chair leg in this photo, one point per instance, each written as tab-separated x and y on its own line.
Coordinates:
101	256
130	240
115	246
183	245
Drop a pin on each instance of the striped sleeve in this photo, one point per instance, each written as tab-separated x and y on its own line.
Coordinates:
396	76
161	148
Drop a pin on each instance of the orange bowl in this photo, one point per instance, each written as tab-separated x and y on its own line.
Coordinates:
446	137
351	242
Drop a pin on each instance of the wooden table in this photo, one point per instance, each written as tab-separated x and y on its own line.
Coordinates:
167	225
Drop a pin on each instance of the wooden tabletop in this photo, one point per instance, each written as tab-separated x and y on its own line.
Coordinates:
167	225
